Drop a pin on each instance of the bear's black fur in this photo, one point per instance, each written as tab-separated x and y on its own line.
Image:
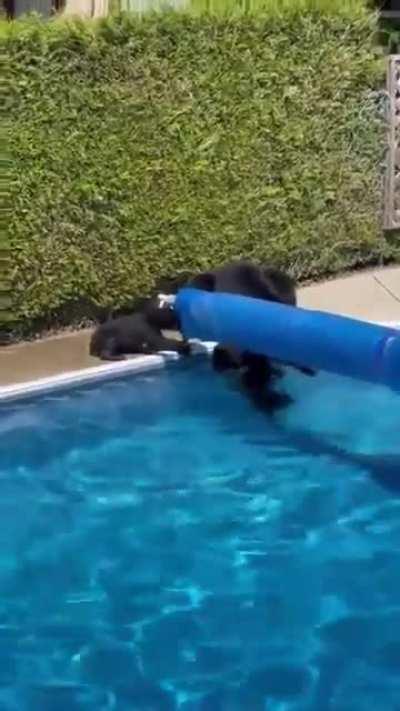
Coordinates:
139	332
260	282
247	279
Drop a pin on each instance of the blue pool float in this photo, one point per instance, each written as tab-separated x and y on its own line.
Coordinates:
321	341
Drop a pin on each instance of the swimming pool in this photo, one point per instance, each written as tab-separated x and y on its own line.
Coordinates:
164	545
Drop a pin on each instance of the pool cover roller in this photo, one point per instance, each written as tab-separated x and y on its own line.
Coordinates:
321	341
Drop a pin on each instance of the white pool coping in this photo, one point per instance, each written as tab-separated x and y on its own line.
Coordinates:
96	374
107	371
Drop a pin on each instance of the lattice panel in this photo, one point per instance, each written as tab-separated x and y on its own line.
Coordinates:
392	196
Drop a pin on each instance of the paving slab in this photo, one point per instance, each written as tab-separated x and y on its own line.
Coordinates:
372	296
390	280
366	296
45	357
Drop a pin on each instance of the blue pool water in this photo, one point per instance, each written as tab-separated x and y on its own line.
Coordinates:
165	546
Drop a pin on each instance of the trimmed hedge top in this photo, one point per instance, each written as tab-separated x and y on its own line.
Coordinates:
144	148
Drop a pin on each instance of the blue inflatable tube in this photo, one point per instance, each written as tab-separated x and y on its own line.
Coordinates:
315	339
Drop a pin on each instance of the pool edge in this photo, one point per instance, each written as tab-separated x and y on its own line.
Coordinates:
107	371
99	373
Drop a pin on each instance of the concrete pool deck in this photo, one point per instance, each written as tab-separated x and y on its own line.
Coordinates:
372	296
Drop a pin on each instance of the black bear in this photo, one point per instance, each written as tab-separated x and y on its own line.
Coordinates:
247	279
140	332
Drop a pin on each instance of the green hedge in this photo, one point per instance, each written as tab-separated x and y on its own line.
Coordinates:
145	148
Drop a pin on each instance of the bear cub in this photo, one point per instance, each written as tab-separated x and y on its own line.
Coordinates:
140	332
